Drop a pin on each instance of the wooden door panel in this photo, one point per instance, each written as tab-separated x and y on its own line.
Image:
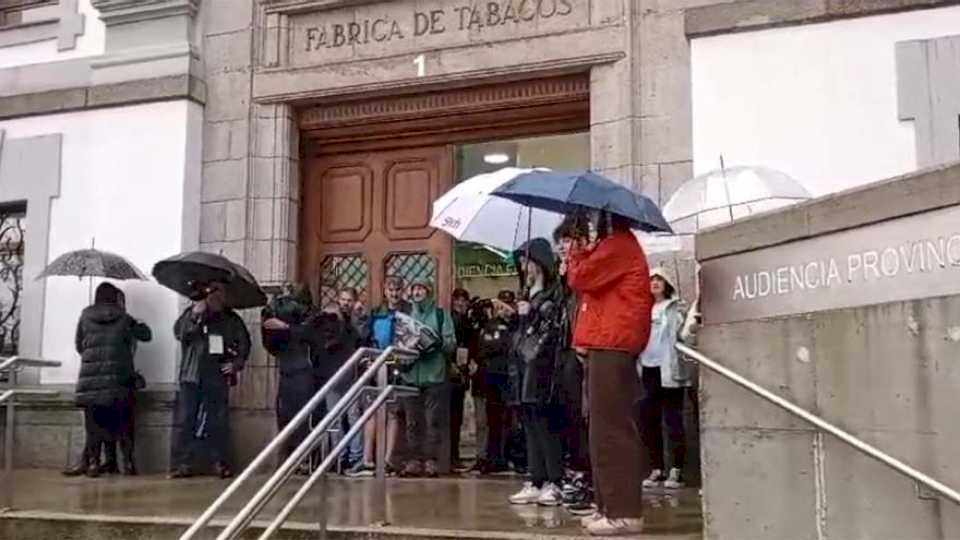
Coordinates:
367	215
347	199
410	188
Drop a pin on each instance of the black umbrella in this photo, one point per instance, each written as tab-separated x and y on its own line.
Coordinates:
92	263
188	273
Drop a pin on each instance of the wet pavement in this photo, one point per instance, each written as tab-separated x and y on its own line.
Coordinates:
474	506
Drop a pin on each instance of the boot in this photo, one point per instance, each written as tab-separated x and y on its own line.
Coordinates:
110	458
81	468
129	465
78	470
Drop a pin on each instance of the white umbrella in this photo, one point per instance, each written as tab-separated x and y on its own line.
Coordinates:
470	214
728	194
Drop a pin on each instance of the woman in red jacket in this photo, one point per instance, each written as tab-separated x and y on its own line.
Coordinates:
613	326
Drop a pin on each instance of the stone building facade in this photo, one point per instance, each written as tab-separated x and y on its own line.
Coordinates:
287	119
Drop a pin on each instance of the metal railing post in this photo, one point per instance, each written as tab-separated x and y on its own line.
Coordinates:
269	488
274	444
380	483
8	443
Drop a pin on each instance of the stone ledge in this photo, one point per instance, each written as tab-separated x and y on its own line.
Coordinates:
108	95
916	192
749	15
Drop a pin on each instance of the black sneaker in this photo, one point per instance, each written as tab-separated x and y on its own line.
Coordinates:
361	469
582	509
180	472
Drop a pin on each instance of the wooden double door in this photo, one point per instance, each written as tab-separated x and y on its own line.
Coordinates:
366	215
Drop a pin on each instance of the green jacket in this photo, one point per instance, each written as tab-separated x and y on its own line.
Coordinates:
432	369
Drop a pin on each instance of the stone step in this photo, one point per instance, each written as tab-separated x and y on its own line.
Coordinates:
50	507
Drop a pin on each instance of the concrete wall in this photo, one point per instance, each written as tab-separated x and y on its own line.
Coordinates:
886	373
69	30
819	102
126	174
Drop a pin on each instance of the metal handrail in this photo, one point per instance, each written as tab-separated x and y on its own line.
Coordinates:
277	442
283	473
14	362
856	443
334	455
10	394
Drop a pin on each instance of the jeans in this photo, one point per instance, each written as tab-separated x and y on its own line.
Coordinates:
458	393
424	422
480	420
354	452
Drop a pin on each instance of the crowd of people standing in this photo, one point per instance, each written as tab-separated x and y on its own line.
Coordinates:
572	377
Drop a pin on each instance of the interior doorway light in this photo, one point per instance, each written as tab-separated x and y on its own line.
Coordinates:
496	158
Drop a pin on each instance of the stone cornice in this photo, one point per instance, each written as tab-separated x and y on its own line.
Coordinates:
128	11
749	15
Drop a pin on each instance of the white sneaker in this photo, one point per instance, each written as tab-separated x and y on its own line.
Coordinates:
550	495
586	521
655	479
673	480
527	495
615	527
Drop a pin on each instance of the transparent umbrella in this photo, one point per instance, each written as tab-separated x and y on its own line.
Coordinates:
728	194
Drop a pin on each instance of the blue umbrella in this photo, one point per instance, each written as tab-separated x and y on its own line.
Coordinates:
566	192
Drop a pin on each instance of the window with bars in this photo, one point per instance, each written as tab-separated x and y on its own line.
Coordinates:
340	271
11	11
12	228
411	267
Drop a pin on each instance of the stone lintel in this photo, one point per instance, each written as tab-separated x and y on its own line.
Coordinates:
749	15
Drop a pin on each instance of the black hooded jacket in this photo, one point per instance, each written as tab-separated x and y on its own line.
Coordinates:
534	373
105	339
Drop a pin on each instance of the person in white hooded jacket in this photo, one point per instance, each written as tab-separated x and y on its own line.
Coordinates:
665	376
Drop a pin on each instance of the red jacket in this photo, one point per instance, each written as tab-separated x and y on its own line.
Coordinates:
613	280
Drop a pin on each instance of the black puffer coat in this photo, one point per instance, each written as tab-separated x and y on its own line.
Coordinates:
105	339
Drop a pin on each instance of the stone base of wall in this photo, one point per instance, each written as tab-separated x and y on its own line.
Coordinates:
49	434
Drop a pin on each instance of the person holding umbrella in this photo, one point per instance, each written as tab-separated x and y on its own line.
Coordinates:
610	273
214	345
105	339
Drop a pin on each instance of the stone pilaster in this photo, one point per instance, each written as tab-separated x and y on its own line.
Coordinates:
147	39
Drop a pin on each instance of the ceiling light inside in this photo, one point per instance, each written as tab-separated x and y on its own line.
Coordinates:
498	158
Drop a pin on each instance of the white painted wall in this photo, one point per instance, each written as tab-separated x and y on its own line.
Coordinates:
90	43
126	173
818	102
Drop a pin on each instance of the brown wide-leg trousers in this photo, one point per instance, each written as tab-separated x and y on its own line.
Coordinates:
616	450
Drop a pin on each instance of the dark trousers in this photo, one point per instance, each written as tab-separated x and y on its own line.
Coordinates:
544	429
662	406
497	427
213	397
294	391
98	422
458	393
120	430
616	450
424	417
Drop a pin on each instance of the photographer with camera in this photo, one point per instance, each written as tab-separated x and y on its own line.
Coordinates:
490	379
289	335
214	345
